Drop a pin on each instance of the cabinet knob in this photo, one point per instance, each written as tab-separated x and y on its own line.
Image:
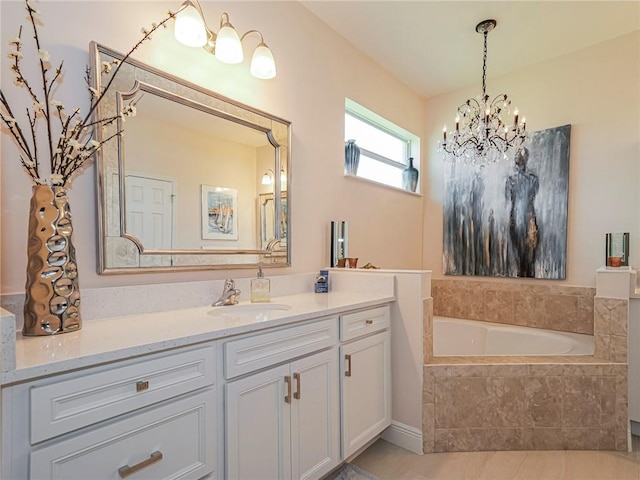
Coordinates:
369	322
142	385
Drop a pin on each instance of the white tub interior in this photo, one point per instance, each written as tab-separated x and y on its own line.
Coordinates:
458	337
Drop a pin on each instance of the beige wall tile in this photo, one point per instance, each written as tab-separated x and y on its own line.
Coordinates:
614	370
543	306
442	441
618	348
601	345
558	312
460	402
607	401
620	318
581	370
471	304
543	438
485	439
607	440
581	402
581	438
585	315
525	309
602	316
498	306
544	401
428	385
505	403
428	423
538	370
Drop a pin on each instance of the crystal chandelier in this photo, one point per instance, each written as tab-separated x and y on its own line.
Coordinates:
481	136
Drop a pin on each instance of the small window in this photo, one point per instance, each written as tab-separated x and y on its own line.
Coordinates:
385	148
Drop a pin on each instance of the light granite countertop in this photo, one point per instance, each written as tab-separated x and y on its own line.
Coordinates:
110	339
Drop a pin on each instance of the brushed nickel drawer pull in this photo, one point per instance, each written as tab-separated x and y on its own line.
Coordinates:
296	395
141	386
369	322
126	471
287	397
347	358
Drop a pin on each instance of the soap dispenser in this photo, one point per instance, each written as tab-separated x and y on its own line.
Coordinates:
260	288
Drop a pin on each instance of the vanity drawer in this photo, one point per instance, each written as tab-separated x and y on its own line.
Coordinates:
83	400
174	440
358	324
266	349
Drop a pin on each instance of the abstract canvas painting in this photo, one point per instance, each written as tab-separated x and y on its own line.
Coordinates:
509	219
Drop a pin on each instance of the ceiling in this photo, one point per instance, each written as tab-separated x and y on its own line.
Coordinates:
432	46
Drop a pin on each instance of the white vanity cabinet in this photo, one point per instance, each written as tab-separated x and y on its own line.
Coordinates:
290	401
283	422
152	417
365	366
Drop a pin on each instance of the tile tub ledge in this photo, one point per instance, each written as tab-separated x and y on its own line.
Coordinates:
116	338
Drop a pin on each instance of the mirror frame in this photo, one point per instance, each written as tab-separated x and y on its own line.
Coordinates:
110	161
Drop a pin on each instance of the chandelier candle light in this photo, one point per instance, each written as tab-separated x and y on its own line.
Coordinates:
481	136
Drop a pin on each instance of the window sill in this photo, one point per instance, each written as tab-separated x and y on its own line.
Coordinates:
383	185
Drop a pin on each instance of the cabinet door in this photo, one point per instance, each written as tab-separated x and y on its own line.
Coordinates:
366	390
315	432
258	426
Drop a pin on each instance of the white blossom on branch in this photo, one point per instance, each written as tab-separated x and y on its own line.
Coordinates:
69	136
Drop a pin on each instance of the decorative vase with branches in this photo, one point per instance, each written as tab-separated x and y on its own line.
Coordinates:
54	144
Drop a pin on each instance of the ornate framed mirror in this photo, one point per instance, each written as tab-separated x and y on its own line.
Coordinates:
180	186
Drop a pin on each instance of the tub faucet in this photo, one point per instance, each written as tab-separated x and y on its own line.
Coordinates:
229	294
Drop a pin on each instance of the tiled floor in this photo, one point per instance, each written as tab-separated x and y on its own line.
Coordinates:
389	462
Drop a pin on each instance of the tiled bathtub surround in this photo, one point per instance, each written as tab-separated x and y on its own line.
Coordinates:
524	404
554	307
610	328
528	403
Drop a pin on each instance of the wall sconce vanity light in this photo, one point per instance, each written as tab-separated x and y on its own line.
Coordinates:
192	30
267	178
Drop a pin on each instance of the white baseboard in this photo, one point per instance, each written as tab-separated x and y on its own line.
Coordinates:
404	436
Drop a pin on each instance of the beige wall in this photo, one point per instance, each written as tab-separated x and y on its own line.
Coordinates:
596	91
316	71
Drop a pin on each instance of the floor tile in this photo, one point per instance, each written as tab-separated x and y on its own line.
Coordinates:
502	465
389	462
600	466
547	465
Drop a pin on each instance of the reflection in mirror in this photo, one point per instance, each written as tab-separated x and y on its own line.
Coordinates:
183	186
195	186
267	219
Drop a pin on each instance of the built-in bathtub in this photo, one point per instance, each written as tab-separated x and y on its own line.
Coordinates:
458	337
490	386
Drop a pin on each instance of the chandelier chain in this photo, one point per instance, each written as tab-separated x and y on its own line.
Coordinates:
484	67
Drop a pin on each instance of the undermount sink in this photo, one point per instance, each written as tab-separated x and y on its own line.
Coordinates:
248	309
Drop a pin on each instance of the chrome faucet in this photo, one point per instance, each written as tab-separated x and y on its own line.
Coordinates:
229	295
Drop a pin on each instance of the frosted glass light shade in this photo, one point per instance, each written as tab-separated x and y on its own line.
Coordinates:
189	28
262	64
228	46
267	179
